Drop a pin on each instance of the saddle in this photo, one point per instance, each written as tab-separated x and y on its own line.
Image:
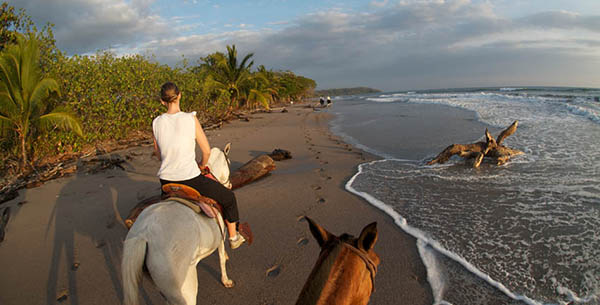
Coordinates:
190	198
182	194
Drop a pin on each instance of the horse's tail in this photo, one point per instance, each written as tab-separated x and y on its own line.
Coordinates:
134	254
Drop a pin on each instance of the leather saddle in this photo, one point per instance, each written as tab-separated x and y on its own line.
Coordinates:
190	198
182	194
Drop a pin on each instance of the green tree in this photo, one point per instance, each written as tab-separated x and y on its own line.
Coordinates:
12	22
264	88
226	76
24	93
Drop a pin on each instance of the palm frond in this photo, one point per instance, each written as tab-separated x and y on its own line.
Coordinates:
7	105
62	118
243	63
259	97
10	76
40	93
6	125
30	69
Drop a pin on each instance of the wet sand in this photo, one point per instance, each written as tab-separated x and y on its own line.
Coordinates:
65	237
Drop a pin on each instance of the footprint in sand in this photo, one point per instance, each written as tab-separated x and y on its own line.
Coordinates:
273	271
321	200
316	187
302	241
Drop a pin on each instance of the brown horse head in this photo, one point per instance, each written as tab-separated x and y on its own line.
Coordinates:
345	270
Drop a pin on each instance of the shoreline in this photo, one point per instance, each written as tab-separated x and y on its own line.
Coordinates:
62	228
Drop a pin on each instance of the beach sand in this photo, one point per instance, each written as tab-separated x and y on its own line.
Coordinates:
64	239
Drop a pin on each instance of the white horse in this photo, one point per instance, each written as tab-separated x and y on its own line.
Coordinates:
171	239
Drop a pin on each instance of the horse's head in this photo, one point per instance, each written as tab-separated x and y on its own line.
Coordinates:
346	268
218	162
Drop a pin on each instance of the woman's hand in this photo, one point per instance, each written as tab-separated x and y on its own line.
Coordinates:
204	170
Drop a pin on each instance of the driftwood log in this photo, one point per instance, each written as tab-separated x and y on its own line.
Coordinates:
491	148
280	154
254	169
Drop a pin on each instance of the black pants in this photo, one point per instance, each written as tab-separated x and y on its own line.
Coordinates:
214	190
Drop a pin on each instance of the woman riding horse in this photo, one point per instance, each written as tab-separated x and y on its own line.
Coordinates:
175	136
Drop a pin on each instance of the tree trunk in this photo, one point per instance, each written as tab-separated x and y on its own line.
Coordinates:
491	148
254	169
23	151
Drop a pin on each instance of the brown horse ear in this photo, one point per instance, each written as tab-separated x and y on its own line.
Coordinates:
368	237
320	234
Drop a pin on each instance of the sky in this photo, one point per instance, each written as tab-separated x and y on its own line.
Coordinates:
383	44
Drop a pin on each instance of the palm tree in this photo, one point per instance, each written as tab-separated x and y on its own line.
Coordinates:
24	92
264	87
226	74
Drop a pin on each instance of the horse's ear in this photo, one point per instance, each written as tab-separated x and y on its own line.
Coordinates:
368	237
227	148
320	234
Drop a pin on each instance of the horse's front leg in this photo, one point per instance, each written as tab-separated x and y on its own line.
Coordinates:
222	261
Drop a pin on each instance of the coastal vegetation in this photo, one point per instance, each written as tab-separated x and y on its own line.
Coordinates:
345	91
116	97
24	93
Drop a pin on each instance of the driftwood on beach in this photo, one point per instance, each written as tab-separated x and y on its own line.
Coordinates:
252	170
491	148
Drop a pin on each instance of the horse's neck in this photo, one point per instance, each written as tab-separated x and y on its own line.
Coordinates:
335	280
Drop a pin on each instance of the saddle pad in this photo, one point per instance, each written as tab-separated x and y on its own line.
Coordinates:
199	207
186	192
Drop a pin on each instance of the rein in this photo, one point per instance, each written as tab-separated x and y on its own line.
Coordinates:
368	262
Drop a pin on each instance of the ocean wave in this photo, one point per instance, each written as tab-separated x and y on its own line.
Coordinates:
425	239
585	111
547	198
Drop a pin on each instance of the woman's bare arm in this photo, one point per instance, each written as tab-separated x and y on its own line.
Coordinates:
203	143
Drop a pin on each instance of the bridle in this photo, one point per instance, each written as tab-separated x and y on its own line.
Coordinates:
371	266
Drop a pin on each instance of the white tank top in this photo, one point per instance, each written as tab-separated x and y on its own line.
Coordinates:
176	138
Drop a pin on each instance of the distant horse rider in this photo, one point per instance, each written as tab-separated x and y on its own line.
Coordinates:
322	101
328	101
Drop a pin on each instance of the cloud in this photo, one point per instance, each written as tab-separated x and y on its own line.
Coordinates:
83	26
379	3
409	44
